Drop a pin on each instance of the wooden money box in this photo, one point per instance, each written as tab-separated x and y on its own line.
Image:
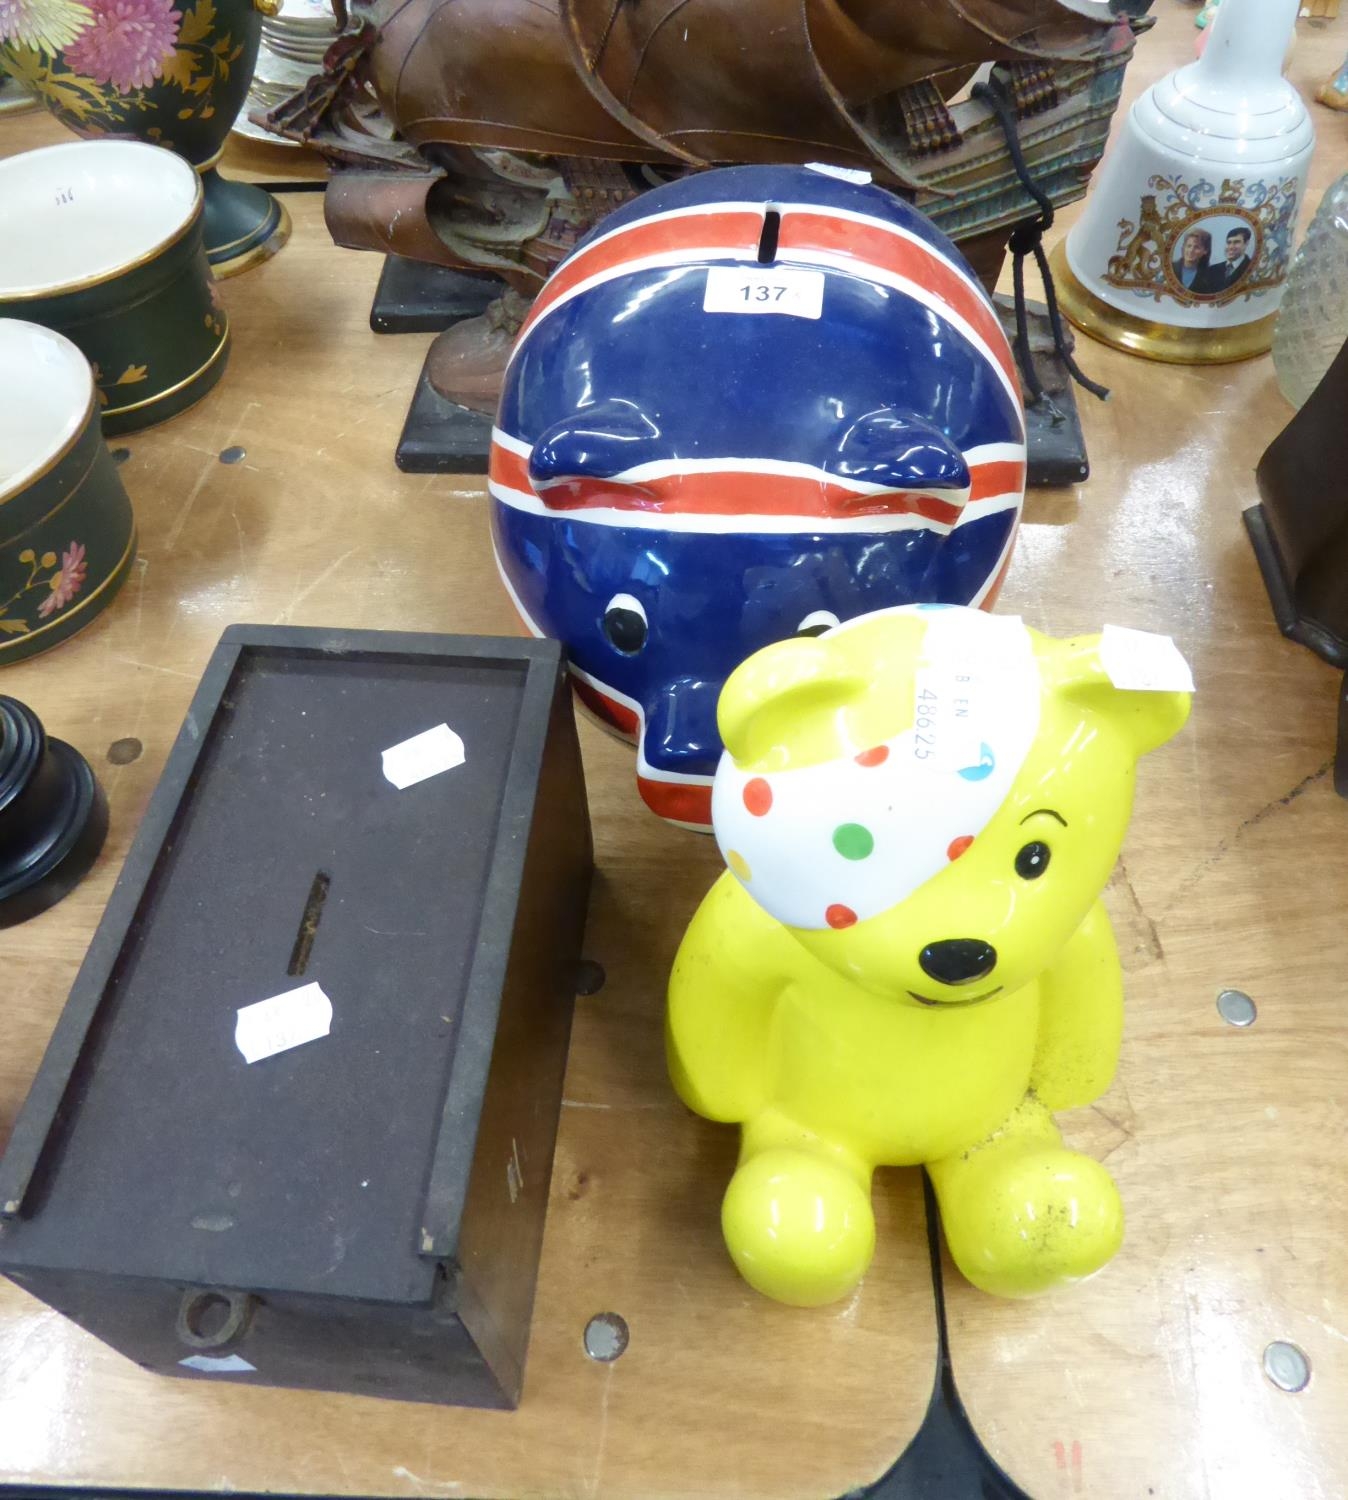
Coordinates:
295	1124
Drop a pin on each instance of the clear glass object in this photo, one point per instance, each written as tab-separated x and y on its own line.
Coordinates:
1313	321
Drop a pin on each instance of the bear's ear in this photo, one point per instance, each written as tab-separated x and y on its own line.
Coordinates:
1075	669
779	708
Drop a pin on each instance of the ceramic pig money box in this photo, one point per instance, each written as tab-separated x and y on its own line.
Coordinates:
754	402
907	961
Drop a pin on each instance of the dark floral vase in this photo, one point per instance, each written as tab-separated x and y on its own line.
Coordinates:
171	72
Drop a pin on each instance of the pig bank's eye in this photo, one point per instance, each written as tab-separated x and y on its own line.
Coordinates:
1032	861
817	623
625	624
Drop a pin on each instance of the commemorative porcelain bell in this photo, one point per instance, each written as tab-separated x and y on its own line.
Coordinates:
1187	238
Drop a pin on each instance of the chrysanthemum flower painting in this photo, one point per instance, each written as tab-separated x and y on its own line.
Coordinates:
126	43
66	582
133	69
43	25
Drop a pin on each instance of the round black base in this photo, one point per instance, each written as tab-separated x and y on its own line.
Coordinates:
53	816
244	224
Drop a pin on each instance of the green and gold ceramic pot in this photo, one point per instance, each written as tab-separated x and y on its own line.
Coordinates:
174	73
67	535
106	248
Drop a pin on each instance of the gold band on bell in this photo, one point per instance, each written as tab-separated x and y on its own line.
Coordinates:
1164	342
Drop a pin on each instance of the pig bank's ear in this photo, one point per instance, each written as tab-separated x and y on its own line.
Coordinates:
596	443
779	707
1075	669
886	458
898	450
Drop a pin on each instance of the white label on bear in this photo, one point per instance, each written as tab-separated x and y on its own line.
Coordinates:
945	718
424	755
1138	661
283	1022
965	652
764	289
218	1364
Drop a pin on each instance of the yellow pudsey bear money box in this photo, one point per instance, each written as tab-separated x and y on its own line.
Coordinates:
907	960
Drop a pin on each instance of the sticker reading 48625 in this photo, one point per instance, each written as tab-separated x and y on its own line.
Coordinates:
943	719
764	289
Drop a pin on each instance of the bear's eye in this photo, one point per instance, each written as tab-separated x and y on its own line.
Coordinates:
1032	861
625	624
817	622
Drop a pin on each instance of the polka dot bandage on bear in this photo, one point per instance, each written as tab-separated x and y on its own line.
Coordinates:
831	844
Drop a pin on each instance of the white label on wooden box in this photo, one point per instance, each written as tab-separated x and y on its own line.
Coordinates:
424	755
219	1364
283	1022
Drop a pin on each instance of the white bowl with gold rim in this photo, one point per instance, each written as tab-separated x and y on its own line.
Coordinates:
67	533
102	240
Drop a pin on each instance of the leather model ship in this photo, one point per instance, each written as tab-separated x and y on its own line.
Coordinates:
489	135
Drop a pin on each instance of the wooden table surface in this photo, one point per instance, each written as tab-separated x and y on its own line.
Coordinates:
1228	1145
245	158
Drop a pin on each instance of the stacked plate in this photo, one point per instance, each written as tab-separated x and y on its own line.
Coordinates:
293	44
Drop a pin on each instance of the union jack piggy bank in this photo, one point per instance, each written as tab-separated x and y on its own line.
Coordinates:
751	404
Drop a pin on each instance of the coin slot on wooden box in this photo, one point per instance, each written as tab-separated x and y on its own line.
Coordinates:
308	928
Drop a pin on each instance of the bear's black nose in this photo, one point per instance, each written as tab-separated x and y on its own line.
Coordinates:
958	960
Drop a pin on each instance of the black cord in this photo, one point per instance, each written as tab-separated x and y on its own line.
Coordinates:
1027	239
